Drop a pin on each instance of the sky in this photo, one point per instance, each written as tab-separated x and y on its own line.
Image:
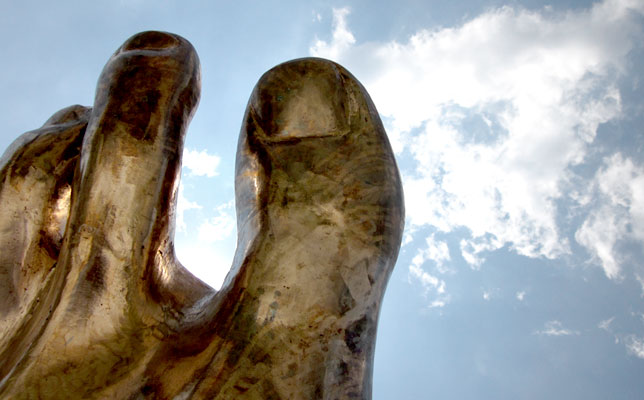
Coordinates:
518	127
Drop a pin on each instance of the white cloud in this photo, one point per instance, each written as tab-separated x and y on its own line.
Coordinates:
183	205
471	250
635	346
619	188
436	251
200	163
520	295
554	328
605	324
494	113
342	37
430	283
489	294
437	304
208	251
599	234
427	280
219	227
208	263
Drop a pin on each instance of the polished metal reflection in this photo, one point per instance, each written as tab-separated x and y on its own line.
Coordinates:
94	303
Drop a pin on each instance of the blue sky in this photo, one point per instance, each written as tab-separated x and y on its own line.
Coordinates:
518	129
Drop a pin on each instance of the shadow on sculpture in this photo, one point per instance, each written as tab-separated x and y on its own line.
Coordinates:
95	304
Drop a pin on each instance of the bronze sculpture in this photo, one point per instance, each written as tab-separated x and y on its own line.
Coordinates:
94	303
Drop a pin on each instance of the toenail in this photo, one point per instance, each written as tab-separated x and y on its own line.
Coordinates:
150	40
299	99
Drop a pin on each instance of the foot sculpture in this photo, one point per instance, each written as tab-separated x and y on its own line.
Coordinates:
94	303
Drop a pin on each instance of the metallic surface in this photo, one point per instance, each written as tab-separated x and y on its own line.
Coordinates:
94	303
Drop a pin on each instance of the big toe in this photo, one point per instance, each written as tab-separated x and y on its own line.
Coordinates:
317	179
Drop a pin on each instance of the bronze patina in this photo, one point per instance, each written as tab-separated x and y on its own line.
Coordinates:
94	302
